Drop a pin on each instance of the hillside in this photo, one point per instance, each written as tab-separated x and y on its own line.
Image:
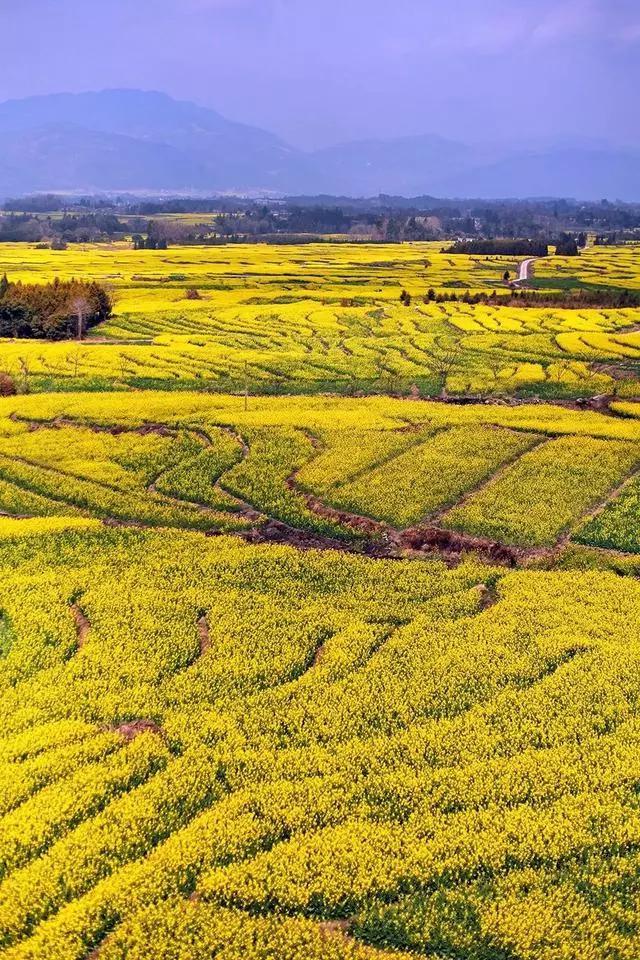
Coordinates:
129	140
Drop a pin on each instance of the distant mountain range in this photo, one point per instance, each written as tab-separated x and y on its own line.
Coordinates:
133	141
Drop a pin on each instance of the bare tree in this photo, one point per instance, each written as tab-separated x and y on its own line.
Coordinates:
443	361
564	367
73	359
588	373
81	307
122	360
495	366
25	372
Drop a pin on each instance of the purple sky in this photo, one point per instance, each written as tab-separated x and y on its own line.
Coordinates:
320	71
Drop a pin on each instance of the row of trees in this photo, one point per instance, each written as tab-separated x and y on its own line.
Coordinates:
566	244
54	311
148	243
43	218
601	297
68	228
500	248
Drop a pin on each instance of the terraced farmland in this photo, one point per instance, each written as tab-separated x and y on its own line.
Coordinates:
325	317
319	676
348	752
370	473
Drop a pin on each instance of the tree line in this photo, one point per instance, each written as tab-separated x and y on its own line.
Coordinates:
54	220
59	310
499	248
603	297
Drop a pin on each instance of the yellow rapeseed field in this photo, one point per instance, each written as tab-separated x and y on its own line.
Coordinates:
294	675
323	317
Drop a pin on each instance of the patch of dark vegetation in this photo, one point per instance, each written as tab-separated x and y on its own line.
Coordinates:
53	311
499	248
275	531
571	298
7	634
432	539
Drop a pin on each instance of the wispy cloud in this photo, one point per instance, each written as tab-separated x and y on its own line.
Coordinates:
567	20
600	19
629	33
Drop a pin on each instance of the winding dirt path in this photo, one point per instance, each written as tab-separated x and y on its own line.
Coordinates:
602	504
276	531
319	654
363	526
160	429
244	509
370	537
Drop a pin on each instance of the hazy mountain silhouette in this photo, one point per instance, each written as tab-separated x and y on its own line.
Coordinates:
149	141
406	165
129	140
585	174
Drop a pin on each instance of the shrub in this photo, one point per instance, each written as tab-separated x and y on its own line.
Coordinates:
7	385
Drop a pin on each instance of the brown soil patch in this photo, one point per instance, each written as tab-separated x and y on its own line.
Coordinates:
83	626
275	531
59	423
97	951
432	539
133	728
203	634
631	328
332	928
617	371
319	654
601	403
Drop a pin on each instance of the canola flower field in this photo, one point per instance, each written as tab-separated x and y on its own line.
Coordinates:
615	266
321	317
353	758
533	477
310	676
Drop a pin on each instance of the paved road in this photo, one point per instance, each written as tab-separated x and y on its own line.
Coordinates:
524	270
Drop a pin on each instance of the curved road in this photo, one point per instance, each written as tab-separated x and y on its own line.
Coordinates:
524	270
